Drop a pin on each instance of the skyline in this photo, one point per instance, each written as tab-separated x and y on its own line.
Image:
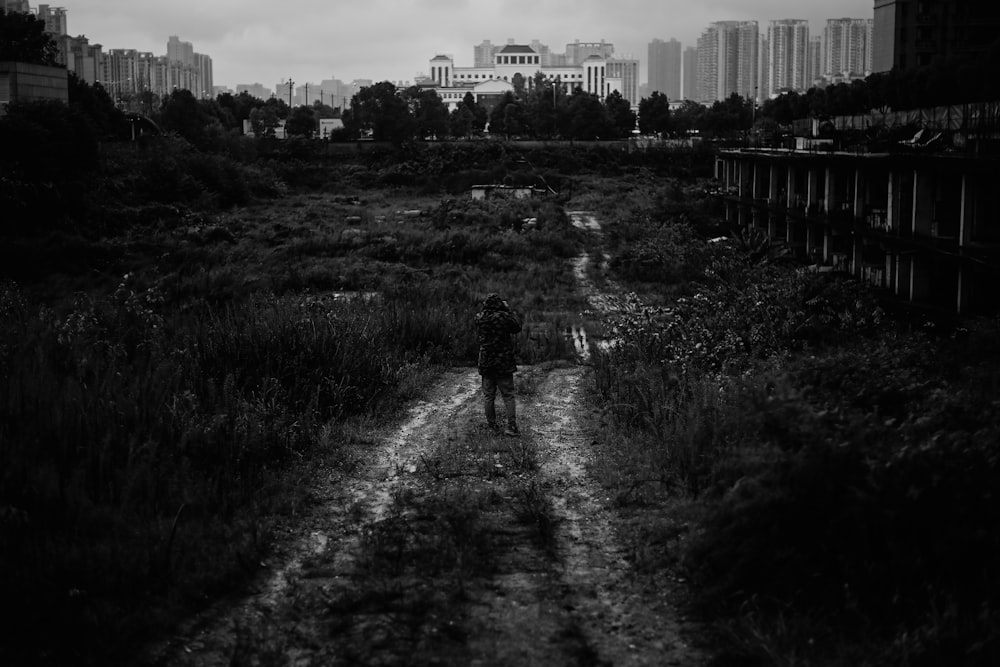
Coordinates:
249	43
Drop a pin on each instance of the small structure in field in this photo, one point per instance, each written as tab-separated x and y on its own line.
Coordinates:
505	191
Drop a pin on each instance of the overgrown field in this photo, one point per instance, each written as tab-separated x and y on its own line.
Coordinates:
171	374
185	335
822	465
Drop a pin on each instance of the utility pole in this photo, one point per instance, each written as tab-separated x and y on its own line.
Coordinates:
290	84
307	94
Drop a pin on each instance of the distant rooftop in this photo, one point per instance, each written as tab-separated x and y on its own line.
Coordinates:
517	48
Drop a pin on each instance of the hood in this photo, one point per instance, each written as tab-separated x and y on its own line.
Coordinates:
494	302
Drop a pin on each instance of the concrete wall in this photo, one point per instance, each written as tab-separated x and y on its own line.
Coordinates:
24	82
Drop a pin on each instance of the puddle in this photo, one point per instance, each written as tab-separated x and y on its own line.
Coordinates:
584	220
579	337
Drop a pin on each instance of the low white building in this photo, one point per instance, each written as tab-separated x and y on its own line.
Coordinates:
594	75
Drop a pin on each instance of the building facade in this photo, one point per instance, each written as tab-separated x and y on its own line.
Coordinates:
815	65
664	67
787	56
848	48
913	33
599	73
913	220
689	83
729	61
27	82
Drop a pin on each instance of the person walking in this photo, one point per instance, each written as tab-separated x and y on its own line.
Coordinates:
495	325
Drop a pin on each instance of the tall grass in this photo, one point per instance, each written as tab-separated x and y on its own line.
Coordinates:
137	438
842	462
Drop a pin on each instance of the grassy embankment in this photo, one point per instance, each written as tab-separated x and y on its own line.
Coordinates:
821	466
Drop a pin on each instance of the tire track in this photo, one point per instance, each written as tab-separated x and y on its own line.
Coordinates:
323	552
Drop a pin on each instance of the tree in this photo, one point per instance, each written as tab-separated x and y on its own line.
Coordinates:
729	116
322	110
688	116
239	106
94	103
467	118
183	114
620	114
23	39
382	111
302	123
429	113
654	114
263	121
504	121
479	114
460	122
584	117
518	82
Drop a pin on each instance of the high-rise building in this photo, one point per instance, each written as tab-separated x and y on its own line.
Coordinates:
728	60
203	68
763	69
16	6
815	68
180	52
626	70
664	63
482	54
690	82
257	90
914	33
83	58
848	47
543	51
578	51
188	70
55	19
787	56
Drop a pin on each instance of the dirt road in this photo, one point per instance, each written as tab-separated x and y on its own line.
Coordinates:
449	545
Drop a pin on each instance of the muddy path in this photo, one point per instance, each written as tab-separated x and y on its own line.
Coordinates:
450	545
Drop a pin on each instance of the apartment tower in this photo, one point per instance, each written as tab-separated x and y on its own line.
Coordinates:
728	60
690	82
664	64
848	49
787	56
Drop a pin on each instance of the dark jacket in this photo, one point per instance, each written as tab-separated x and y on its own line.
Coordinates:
495	324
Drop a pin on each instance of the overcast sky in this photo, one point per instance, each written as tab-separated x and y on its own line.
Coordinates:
253	41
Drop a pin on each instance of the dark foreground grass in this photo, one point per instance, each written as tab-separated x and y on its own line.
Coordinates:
151	426
829	469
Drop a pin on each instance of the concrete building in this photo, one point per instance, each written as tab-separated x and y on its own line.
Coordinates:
848	48
912	33
187	70
258	90
482	54
728	61
664	68
83	58
16	6
598	74
909	218
25	82
815	67
180	52
689	84
577	52
54	18
787	56
623	73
